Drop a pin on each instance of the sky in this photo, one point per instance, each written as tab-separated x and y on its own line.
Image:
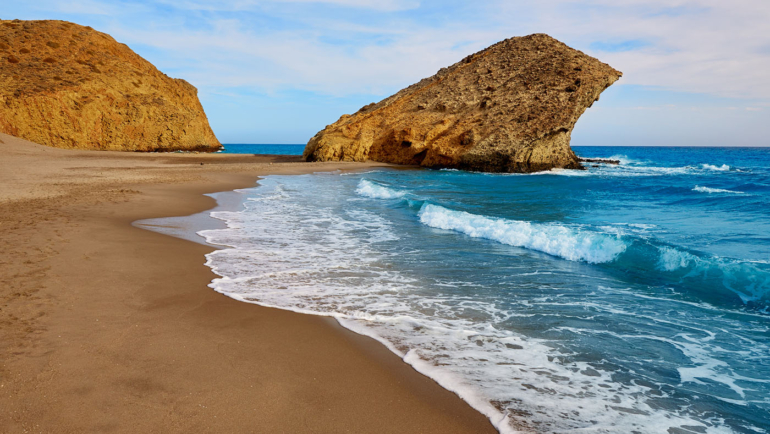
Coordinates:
696	73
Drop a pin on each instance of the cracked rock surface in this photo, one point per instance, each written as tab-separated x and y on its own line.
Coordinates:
508	108
70	86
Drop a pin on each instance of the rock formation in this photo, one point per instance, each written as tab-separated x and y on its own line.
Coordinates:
69	86
508	108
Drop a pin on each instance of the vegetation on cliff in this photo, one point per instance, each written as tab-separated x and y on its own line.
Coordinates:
70	86
508	108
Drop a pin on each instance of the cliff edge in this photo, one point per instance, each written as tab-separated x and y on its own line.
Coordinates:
69	86
508	108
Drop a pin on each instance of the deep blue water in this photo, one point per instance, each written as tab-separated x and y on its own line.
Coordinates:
264	149
630	298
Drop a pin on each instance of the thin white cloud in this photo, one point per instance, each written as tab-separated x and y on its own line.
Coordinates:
85	7
232	55
381	5
247	5
703	46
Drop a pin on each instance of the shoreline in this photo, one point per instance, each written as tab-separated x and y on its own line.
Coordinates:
188	228
110	327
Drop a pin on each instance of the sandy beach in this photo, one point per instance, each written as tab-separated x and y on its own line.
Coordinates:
106	327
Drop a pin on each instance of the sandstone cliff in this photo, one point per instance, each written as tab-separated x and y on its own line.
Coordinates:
508	108
69	86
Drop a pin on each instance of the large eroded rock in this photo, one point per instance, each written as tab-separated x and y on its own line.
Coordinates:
69	86
508	108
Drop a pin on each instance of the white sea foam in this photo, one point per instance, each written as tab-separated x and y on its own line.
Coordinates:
565	172
558	240
621	171
628	168
354	173
377	191
709	190
624	160
722	168
698	346
672	259
299	246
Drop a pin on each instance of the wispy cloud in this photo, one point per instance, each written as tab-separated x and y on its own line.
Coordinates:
704	46
366	49
354	46
323	54
618	46
251	5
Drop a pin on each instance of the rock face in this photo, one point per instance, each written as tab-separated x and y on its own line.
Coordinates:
69	86
508	108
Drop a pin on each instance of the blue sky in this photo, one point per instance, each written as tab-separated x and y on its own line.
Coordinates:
695	72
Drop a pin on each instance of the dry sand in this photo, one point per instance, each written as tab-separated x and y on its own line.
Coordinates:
105	327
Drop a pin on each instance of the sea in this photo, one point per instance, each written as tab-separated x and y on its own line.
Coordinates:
263	149
628	298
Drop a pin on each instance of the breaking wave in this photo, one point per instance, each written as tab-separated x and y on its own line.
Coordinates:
720	281
711	276
569	243
722	168
376	191
715	190
606	327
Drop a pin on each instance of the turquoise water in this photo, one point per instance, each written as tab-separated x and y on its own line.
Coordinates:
264	149
629	298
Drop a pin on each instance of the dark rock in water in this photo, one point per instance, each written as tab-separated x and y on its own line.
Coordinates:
599	160
508	108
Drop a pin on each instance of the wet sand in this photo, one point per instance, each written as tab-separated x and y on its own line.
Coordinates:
106	327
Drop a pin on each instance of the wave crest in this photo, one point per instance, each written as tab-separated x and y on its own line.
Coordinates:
376	191
722	168
711	275
709	190
557	240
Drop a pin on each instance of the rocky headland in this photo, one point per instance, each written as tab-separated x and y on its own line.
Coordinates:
70	86
508	108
